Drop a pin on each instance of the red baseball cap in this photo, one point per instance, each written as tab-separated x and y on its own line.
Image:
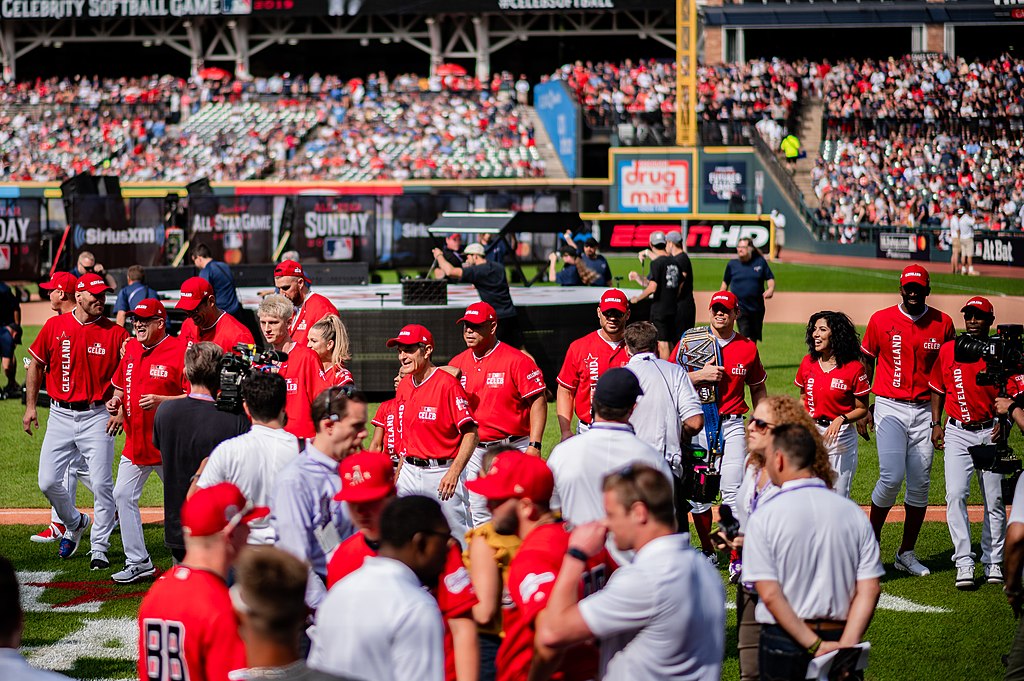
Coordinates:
60	281
211	509
478	313
514	475
726	299
366	476
194	291
914	274
614	299
93	283
149	308
411	334
980	304
290	268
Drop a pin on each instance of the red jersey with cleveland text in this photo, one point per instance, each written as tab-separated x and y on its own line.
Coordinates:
966	401
314	308
532	574
338	376
386	418
80	359
905	351
831	394
304	376
177	639
431	416
159	370
743	367
226	332
585	360
499	386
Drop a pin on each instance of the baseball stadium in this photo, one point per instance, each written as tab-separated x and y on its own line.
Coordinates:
305	198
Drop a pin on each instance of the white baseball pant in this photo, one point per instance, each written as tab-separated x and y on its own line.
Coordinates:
424	481
77	472
127	492
842	454
70	434
734	439
903	434
478	513
959	466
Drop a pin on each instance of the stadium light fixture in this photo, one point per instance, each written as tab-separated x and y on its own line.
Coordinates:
364	42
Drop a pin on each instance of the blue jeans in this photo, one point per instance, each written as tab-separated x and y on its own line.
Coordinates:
488	656
780	658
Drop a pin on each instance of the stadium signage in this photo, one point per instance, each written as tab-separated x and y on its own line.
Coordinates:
232	223
902	246
335	228
702	236
722	180
319	225
14	230
653	185
107	236
521	5
100	9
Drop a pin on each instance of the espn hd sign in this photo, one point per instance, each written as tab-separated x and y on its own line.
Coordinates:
661	183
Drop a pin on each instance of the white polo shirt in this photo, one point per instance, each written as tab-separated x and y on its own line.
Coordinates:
251	462
816	544
379	623
669	399
660	617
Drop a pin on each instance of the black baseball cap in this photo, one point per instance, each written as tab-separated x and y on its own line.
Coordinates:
618	388
591	243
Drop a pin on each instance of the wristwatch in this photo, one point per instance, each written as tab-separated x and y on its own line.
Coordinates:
536	445
936	423
578	554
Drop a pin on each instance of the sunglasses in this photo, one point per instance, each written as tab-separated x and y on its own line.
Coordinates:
761	425
972	314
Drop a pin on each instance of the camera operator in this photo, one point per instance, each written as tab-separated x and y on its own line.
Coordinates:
302	371
968	404
253	460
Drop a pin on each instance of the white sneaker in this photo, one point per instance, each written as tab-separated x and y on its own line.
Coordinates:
994	574
973	272
965	577
908	562
134	572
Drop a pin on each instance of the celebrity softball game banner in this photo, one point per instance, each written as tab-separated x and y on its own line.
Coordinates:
720	181
653	183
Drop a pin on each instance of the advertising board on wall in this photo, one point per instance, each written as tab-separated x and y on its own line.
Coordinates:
560	114
720	181
902	246
656	183
700	236
335	228
20	228
238	229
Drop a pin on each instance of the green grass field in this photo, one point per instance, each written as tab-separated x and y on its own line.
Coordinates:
80	623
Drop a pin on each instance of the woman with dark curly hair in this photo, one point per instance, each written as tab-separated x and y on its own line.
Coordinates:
834	388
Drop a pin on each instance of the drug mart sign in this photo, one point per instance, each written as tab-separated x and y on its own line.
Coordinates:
654	183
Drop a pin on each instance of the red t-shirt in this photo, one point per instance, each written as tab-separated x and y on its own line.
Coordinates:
905	351
178	640
966	401
338	376
742	367
159	370
532	574
80	359
431	416
227	332
499	385
386	418
304	376
831	394
314	308
585	360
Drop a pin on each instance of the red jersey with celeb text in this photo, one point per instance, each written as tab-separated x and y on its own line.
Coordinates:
905	351
499	386
455	595
304	376
585	360
178	640
431	416
159	370
386	418
831	394
314	308
226	332
337	376
532	574
80	359
742	367
966	401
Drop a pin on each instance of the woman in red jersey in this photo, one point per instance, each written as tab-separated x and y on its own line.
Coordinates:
328	338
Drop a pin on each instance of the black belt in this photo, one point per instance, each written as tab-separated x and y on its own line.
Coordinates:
502	441
916	403
973	425
824	421
428	463
732	417
81	405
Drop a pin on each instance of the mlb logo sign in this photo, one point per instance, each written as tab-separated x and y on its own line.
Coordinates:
5	257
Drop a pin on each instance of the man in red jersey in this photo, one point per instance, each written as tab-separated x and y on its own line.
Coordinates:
206	322
151	371
903	342
589	357
291	280
518	489
187	625
506	395
437	432
79	351
367	485
302	371
385	426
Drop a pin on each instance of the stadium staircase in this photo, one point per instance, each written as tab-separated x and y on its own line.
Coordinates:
810	141
553	167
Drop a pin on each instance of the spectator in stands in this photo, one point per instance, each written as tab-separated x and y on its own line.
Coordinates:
131	294
220	277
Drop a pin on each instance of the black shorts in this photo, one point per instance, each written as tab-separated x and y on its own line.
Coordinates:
750	324
686	317
666	325
510	333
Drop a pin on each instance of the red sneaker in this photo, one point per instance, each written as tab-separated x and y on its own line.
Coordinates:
51	534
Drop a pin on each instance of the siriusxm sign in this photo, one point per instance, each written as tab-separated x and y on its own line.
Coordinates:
559	112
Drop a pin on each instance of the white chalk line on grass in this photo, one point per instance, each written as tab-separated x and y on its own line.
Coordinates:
888	275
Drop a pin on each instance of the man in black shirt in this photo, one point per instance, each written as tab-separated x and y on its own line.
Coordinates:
10	335
662	285
186	431
491	284
686	308
450	254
